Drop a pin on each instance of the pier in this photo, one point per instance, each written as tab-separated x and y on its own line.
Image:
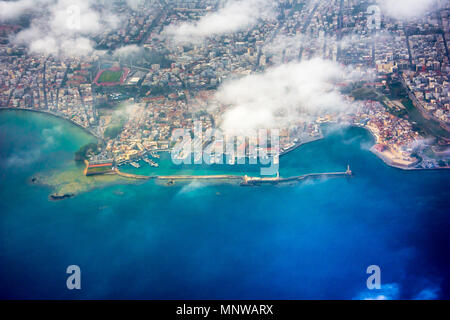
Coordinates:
245	180
133	176
177	177
189	177
250	181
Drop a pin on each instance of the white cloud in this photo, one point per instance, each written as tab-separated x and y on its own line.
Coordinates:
10	10
77	46
235	16
188	189
23	158
30	156
390	291
70	17
406	9
431	293
134	4
61	27
290	92
289	44
125	51
46	45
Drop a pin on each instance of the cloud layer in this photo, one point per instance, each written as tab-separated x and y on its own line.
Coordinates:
392	291
10	10
290	92
128	50
60	27
235	16
406	9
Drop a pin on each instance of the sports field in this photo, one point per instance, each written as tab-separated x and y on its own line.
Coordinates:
110	76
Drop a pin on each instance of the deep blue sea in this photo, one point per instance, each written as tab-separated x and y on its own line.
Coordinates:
312	240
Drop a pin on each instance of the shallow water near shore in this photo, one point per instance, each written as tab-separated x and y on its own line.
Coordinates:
310	240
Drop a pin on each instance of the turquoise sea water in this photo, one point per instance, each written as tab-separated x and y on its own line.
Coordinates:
312	240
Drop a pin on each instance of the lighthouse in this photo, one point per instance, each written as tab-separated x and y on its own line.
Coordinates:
348	172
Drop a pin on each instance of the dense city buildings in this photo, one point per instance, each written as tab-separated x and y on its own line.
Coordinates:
143	80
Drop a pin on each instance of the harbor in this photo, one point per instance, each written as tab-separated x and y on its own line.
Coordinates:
243	180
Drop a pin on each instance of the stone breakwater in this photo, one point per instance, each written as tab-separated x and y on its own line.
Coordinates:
244	180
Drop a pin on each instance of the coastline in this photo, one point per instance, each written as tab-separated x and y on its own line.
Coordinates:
391	163
55	115
388	161
385	159
299	144
71	182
